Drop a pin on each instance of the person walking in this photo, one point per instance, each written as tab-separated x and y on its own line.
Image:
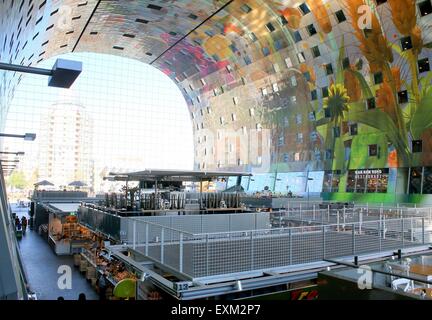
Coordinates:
24	224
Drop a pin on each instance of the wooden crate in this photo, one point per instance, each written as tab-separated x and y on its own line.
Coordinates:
93	282
83	265
77	260
91	272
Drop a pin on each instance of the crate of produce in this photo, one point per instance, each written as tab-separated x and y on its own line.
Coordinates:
71	219
77	260
83	265
91	272
93	282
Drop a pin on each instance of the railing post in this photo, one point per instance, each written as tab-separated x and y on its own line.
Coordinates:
207	255
147	240
423	230
162	245
353	239
403	233
379	236
252	250
134	235
181	252
337	220
412	229
360	220
324	245
430	214
344	215
328	213
290	246
314	212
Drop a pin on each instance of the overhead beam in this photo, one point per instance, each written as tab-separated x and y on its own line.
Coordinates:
86	25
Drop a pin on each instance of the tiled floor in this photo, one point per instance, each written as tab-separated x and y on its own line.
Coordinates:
41	265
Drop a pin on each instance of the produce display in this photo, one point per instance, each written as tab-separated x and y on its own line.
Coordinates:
72	230
116	269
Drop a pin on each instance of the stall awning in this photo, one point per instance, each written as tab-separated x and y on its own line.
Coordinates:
61	208
173	175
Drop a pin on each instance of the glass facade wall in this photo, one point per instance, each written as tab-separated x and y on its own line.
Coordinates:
121	115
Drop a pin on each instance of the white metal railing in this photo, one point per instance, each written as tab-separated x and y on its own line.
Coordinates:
207	254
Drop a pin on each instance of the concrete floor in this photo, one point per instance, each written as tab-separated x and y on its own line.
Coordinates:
41	265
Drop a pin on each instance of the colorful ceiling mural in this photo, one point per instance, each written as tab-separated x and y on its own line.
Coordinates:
272	86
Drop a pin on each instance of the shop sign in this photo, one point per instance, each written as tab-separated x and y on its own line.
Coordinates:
371	173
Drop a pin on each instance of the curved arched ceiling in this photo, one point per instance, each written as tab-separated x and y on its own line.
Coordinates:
263	68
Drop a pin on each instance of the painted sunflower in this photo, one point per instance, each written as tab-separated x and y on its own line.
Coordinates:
337	101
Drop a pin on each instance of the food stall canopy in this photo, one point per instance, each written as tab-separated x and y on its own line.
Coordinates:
43	183
66	207
77	184
173	175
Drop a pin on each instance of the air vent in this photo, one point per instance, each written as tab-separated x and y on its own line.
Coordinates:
45	43
93	33
141	21
42	4
76	18
81	4
29	11
64	46
127	35
149	54
118	48
54	12
154	7
50	27
69	32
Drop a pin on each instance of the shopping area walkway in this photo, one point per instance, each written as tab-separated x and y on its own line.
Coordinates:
41	265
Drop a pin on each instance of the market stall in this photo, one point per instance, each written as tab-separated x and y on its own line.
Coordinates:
65	235
96	262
